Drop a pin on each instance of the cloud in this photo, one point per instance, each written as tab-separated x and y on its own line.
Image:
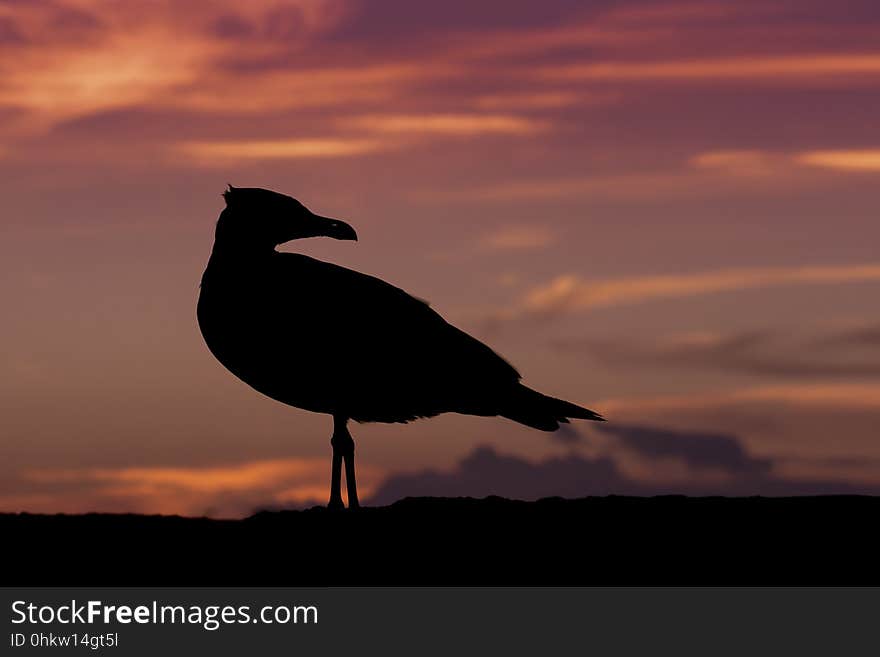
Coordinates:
768	353
9	32
707	174
867	335
566	434
447	124
757	162
78	58
374	133
332	89
622	186
677	13
710	451
720	69
225	491
246	83
824	396
741	162
765	163
542	100
628	459
72	58
221	153
237	74
519	238
823	431
722	173
571	293
843	160
486	472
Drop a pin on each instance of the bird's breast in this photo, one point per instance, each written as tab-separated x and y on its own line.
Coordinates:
264	334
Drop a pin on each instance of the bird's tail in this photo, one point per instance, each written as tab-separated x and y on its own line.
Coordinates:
534	409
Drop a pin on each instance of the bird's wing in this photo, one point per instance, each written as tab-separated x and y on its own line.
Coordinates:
379	340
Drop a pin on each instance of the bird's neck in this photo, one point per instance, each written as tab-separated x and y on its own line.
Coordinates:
226	250
233	243
234	262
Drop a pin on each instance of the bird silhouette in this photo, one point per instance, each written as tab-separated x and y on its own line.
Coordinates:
332	340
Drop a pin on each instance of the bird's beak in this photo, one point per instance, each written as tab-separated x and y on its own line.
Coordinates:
338	230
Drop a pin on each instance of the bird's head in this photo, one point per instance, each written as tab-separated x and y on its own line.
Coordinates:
263	218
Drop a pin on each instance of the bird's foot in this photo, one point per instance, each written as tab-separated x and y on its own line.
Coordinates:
335	505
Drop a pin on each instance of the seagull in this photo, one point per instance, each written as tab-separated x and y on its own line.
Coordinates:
331	340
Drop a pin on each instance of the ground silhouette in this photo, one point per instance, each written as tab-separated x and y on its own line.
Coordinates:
463	541
331	340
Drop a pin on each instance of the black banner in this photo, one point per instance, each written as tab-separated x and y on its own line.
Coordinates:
413	621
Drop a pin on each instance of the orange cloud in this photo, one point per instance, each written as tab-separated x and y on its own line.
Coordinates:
844	160
384	132
571	293
120	70
723	68
449	124
518	238
757	162
329	88
221	153
232	490
130	56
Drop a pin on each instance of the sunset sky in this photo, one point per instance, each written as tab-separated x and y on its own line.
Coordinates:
665	211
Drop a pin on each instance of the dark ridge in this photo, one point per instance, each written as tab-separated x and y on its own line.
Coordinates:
462	541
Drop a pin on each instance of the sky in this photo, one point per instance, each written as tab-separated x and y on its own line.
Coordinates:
664	211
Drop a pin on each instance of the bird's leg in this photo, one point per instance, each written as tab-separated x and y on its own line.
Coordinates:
350	481
336	471
346	444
